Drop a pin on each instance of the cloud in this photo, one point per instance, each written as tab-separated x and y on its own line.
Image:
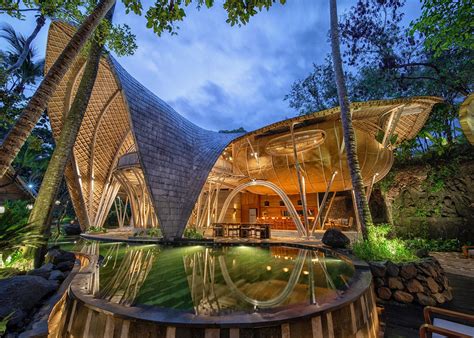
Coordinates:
223	77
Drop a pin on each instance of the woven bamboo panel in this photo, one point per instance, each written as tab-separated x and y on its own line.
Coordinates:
370	111
103	130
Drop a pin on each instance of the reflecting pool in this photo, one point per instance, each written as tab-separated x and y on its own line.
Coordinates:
217	280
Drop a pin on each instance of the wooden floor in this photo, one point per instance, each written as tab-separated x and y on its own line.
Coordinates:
404	321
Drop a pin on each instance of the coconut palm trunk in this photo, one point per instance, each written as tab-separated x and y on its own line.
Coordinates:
17	136
40	215
346	119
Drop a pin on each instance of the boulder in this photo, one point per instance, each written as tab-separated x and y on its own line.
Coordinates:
422	253
20	294
334	238
425	299
392	269
421	277
445	282
403	297
429	268
65	266
439	298
423	270
71	229
384	293
432	285
43	271
379	282
448	295
378	269
414	286
56	275
408	271
56	256
395	283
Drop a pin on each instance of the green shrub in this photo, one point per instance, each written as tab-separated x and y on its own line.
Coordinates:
15	233
381	246
444	245
193	233
154	232
151	232
94	230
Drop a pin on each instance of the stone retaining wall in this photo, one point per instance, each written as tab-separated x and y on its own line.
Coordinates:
422	282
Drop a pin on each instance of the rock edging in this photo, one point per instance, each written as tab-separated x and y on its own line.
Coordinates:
423	282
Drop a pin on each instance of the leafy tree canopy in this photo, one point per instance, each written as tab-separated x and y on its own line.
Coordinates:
385	60
233	131
446	25
162	16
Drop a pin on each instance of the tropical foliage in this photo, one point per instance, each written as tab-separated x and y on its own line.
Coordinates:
446	25
382	245
193	233
15	87
387	59
16	235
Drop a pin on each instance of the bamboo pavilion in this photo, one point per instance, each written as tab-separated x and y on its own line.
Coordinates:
134	152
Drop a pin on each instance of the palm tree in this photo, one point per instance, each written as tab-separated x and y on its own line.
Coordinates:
39	101
346	119
24	53
12	85
40	215
28	72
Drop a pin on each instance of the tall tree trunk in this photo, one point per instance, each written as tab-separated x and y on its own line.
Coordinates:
17	136
346	119
40	21
51	183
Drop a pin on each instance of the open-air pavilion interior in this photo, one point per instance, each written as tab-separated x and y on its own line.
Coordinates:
136	154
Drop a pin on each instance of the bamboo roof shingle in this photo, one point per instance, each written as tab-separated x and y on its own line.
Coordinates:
176	156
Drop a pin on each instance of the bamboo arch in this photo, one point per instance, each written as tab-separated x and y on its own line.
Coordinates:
286	200
295	275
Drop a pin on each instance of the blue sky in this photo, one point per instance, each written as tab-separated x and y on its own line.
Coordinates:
223	77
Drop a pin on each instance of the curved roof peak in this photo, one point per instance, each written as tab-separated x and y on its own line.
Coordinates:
176	155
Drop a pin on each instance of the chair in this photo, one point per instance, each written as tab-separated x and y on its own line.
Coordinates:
234	230
468	251
438	327
218	230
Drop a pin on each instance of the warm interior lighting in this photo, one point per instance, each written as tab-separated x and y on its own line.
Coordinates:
269	268
286	269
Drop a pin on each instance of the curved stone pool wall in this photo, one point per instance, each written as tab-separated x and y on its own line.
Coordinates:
82	315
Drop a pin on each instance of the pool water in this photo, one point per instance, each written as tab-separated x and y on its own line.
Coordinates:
211	280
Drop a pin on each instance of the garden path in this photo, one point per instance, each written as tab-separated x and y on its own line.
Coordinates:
455	263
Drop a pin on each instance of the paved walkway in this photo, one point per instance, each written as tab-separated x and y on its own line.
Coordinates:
455	263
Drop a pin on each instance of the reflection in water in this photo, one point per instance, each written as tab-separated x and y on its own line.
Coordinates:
217	280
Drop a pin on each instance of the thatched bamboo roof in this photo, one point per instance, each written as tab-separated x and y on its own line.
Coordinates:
176	156
122	115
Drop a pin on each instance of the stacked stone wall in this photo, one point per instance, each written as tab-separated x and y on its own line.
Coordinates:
423	282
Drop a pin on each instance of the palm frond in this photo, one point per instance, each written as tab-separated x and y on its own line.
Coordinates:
13	38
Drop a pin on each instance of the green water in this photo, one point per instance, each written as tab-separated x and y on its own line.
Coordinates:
211	280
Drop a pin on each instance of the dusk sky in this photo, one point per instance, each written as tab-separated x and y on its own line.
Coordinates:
223	77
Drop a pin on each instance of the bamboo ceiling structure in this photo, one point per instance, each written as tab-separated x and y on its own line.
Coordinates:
175	158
